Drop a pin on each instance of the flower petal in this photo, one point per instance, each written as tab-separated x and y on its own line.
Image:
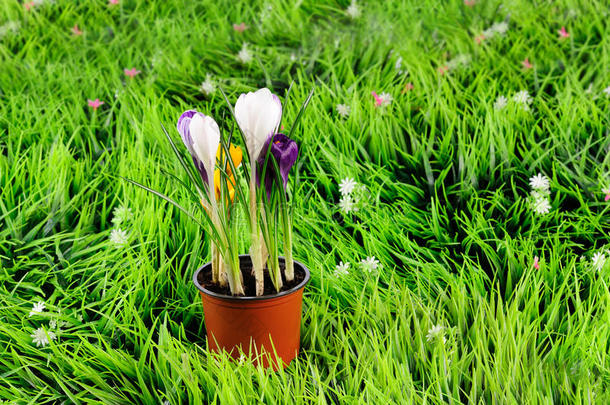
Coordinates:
258	115
205	135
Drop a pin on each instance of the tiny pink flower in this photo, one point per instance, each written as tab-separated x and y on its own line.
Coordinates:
443	69
526	64
470	3
113	2
408	87
563	33
240	27
607	192
95	104
76	31
29	5
378	100
479	38
131	72
536	264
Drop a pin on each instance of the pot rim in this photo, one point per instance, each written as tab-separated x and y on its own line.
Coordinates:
255	298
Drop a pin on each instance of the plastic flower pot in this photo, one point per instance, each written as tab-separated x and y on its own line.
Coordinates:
267	328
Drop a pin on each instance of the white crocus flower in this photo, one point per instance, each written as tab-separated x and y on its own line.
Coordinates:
205	138
258	115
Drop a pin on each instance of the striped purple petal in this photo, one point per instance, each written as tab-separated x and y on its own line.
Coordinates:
285	152
184	123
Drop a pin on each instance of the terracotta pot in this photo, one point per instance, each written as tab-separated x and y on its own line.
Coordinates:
260	327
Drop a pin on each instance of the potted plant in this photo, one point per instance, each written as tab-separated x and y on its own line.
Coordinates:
251	302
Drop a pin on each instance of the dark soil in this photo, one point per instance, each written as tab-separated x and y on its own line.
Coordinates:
205	280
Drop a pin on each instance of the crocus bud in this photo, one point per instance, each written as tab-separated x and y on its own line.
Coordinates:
285	152
201	136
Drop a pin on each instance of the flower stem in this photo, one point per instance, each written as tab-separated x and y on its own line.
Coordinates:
256	248
214	256
289	270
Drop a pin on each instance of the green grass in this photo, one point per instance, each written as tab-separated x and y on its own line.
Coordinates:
447	217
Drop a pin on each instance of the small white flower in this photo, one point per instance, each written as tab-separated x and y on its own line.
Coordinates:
266	12
607	91
369	264
42	338
208	86
459	60
293	57
541	204
342	269
398	64
598	260
539	182
11	26
523	97
500	27
353	11
347	185
119	237
121	214
53	324
346	204
500	103
244	55
436	332
37	308
343	110
386	99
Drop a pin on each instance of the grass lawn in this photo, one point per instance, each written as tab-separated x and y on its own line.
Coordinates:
487	291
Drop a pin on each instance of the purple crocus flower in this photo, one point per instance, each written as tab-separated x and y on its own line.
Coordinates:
184	123
285	152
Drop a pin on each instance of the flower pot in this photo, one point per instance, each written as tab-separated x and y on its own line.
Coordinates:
259	327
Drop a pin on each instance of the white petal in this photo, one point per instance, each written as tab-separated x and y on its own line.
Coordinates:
258	115
206	138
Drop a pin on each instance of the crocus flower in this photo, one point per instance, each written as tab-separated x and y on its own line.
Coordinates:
201	136
258	114
95	104
526	63
563	33
76	30
131	72
236	155
285	152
